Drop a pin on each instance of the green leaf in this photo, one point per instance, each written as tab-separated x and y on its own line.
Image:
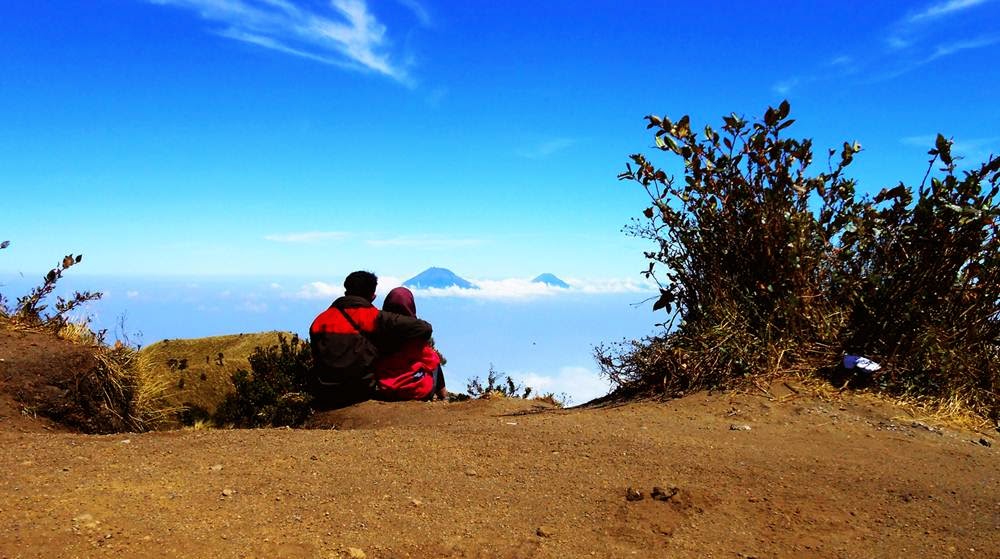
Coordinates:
785	124
887	194
783	109
683	127
771	117
943	146
665	301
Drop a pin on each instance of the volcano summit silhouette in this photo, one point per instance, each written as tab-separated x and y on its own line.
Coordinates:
438	278
550	279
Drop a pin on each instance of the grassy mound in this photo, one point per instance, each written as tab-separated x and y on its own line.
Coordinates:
200	370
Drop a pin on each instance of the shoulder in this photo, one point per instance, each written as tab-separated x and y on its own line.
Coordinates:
332	320
353	302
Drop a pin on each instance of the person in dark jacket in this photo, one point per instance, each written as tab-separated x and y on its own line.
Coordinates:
348	337
414	371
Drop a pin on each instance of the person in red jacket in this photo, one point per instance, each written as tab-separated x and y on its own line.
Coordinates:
348	337
414	371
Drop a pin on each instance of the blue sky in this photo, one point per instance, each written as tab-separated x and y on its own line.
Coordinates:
222	164
309	138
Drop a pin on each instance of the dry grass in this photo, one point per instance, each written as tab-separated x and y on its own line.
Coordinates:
953	413
195	364
200	425
126	383
79	333
133	390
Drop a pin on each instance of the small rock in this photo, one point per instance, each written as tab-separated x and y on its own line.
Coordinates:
471	473
416	502
544	532
632	494
735	427
127	441
215	467
985	442
227	492
314	457
86	521
925	427
660	495
355	553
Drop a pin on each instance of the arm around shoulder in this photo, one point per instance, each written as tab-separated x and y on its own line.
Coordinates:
402	327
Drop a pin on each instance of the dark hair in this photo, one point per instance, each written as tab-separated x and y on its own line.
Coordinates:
360	283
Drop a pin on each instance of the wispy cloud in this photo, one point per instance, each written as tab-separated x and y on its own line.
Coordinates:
940	51
307	237
252	306
915	39
949	49
935	11
346	34
904	33
512	289
841	65
924	141
547	148
423	242
581	384
326	290
419	10
319	290
784	87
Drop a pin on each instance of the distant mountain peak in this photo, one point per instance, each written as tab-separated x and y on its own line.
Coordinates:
438	278
550	279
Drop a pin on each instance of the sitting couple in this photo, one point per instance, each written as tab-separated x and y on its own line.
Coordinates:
360	352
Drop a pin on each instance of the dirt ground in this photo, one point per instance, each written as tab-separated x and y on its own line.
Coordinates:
40	381
790	475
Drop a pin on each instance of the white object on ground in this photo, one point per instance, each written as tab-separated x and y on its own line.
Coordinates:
863	363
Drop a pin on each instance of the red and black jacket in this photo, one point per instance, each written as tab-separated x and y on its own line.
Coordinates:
330	332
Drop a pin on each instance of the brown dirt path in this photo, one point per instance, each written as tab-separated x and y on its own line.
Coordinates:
811	478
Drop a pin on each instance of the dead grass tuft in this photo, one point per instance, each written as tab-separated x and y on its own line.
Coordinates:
79	333
131	390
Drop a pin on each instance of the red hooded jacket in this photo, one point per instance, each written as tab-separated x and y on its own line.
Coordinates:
406	374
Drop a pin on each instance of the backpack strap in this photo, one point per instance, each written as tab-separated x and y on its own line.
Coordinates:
351	321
